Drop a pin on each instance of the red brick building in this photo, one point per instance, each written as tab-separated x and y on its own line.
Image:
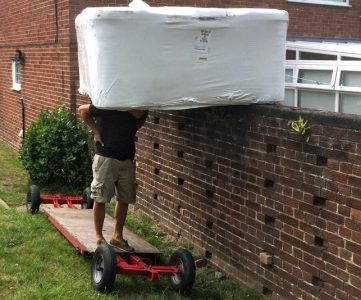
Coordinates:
44	33
236	188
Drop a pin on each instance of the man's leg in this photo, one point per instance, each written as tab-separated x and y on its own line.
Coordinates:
99	215
125	191
120	214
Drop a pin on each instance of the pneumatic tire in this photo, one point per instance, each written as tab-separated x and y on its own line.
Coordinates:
33	200
182	282
103	268
88	201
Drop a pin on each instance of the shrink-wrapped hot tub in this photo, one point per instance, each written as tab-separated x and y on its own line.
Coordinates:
180	57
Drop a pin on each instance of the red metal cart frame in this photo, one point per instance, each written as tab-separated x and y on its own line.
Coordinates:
107	261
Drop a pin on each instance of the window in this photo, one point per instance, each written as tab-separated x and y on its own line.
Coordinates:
318	77
324	2
350	58
350	103
289	75
316	56
323	79
16	70
316	100
350	79
289	98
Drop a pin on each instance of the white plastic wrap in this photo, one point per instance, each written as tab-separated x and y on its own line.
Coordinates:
180	57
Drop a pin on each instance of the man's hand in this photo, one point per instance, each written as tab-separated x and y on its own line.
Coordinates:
88	120
98	139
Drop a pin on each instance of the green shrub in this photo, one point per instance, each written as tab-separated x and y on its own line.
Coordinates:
55	151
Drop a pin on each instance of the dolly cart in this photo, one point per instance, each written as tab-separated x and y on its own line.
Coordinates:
77	227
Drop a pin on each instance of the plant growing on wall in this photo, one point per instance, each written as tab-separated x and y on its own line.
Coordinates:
301	127
55	150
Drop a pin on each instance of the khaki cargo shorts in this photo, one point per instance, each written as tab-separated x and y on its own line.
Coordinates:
113	177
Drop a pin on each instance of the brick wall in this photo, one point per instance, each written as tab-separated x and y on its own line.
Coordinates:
308	20
44	31
236	182
38	29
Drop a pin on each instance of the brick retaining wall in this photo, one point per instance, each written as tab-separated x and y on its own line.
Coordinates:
237	181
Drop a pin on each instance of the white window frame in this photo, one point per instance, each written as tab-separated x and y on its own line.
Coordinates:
346	89
335	66
315	85
319	2
16	84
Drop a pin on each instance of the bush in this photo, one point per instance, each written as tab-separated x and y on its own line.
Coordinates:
55	151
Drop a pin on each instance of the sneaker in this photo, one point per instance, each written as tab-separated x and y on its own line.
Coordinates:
121	244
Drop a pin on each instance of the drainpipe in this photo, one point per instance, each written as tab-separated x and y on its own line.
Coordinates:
56	40
22	107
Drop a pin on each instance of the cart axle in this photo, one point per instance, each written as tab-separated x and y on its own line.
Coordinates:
58	200
137	266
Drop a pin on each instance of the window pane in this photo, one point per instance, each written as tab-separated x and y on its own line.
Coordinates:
17	78
17	73
319	77
350	103
289	76
350	78
350	58
316	100
289	97
316	56
290	54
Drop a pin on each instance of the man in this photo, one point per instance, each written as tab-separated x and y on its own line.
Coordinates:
113	167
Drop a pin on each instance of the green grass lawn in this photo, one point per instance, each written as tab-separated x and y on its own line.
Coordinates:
13	179
37	262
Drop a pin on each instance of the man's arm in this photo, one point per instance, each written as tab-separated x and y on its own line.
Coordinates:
89	121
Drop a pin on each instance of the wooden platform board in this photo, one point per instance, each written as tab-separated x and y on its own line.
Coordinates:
78	227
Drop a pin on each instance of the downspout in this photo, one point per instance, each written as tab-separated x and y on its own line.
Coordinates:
56	40
22	107
73	84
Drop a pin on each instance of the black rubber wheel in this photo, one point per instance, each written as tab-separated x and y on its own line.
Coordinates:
182	282
33	200
88	201
103	268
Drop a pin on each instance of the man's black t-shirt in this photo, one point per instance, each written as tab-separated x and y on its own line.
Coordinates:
117	130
